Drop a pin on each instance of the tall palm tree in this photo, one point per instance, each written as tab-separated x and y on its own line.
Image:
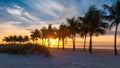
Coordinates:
73	26
36	35
50	34
114	18
59	37
83	29
63	33
43	34
95	24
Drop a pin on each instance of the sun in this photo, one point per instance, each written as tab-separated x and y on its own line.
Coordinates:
52	42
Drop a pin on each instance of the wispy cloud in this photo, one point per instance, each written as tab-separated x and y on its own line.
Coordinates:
14	11
46	7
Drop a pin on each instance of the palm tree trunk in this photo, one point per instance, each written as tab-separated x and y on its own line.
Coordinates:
42	42
36	40
74	42
45	42
90	44
115	41
20	42
33	41
48	42
84	43
66	41
58	43
63	43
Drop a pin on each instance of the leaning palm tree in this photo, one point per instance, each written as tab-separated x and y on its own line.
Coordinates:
114	18
95	24
73	26
36	35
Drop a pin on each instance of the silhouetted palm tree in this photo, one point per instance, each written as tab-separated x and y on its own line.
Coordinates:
95	24
20	39
58	36
50	34
26	39
36	35
32	38
73	26
83	29
10	39
43	34
114	18
15	39
63	33
6	39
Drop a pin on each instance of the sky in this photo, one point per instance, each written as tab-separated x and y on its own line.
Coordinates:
21	16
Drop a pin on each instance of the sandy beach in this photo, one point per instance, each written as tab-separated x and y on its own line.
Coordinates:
100	58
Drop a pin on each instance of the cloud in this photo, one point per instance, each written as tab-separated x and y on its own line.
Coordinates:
18	7
54	9
46	7
14	11
19	14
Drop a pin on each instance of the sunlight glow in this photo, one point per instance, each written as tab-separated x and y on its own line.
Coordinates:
52	41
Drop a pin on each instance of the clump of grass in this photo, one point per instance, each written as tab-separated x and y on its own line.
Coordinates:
24	49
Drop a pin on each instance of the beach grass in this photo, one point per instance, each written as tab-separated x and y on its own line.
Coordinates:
24	49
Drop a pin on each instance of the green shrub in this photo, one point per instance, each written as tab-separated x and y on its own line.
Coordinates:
24	49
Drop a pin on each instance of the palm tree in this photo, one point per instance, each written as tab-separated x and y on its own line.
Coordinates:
83	29
26	39
10	39
43	34
15	39
95	24
58	36
20	39
6	39
32	38
73	26
114	18
50	34
35	35
63	33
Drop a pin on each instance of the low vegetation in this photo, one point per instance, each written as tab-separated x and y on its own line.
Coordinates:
24	49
